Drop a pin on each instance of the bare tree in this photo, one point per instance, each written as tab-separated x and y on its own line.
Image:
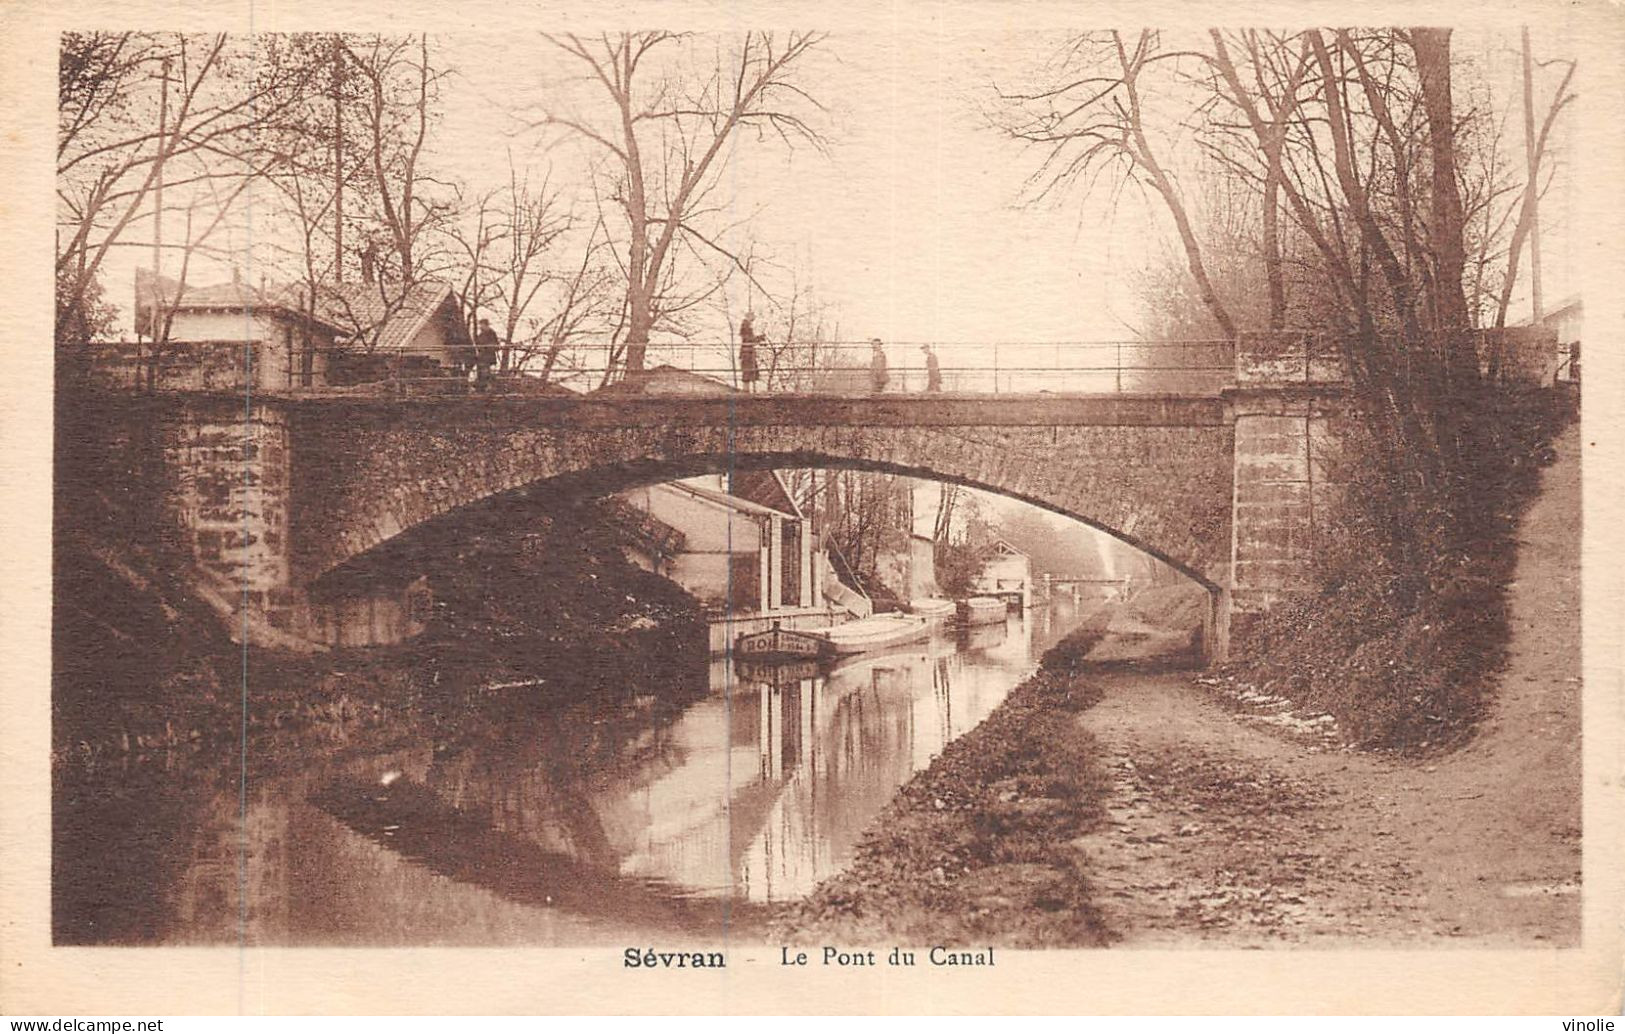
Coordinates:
477	235
1356	138
798	347
361	138
505	239
961	549
868	513
317	165
1447	226
1277	88
139	112
947	499
1526	230
586	305
663	125
397	96
1087	118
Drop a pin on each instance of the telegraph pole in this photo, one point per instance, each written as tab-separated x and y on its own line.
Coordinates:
1534	187
338	160
158	191
157	303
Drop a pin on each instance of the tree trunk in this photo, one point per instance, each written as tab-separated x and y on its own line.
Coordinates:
640	322
1528	226
1445	230
947	495
1272	241
1458	357
1164	185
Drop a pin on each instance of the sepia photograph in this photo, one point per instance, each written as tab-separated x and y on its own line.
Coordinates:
721	496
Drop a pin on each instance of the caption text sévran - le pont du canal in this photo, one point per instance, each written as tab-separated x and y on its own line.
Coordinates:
650	958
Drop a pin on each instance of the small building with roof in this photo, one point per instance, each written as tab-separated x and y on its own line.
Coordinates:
223	336
414	330
1565	320
353	333
741	546
1006	573
1542	351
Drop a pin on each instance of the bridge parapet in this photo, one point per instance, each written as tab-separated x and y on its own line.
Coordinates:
1289	357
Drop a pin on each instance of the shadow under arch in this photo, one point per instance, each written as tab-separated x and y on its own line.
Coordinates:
607	479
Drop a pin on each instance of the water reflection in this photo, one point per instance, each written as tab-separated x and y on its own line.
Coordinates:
587	823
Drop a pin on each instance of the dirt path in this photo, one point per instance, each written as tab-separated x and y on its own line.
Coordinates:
1224	830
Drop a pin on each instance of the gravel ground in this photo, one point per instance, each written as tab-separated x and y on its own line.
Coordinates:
1233	823
1137	808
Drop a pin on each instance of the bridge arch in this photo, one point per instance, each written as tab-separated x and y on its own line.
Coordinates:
612	478
1164	487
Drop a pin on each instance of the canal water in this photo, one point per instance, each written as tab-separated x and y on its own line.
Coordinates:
592	825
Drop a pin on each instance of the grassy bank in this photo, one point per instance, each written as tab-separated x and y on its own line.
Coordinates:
975	849
1403	642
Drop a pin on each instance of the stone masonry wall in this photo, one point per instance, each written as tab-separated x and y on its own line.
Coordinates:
1287	405
360	483
233	493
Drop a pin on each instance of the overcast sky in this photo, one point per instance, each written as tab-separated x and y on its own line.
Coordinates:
912	226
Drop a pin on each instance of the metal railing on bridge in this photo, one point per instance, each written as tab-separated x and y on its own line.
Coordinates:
981	367
840	369
1195	367
845	369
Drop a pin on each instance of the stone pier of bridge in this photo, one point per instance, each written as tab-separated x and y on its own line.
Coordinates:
1288	405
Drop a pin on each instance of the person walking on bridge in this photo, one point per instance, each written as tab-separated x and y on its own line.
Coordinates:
877	366
486	345
933	370
749	370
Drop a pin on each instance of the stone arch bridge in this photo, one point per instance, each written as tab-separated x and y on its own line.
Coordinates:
276	496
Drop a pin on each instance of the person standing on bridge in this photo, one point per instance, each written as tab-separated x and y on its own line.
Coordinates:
486	344
933	370
749	371
877	366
